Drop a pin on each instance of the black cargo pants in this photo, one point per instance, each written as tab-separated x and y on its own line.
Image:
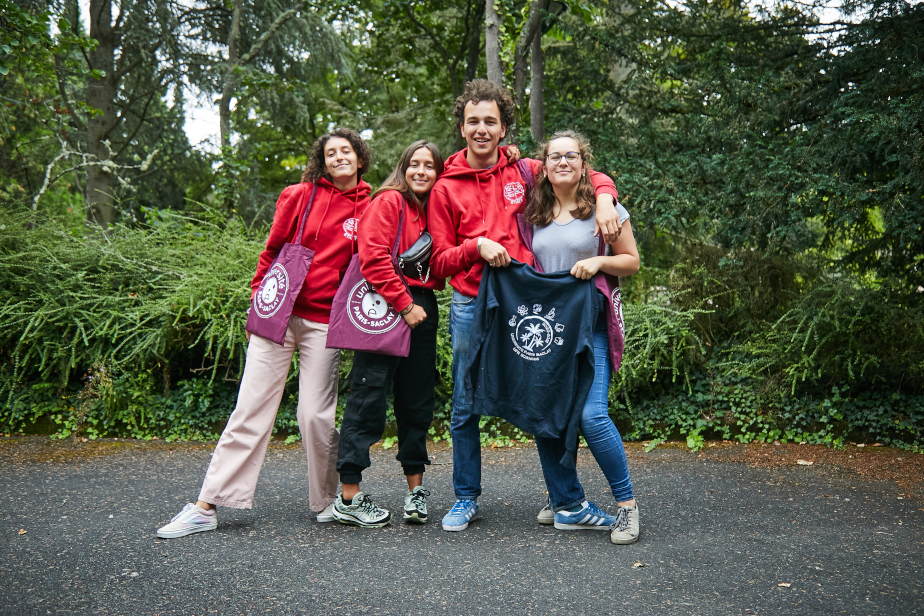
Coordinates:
413	379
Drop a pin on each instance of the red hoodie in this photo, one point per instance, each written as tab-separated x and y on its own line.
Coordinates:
467	203
330	231
377	230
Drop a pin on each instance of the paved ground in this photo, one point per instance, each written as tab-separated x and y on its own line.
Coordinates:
718	537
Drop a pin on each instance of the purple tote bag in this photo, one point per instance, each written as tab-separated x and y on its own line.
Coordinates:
361	319
272	304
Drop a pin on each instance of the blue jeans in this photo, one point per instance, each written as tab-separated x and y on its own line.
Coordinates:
466	437
601	435
464	428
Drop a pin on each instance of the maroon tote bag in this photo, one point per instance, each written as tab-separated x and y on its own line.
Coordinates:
361	319
272	304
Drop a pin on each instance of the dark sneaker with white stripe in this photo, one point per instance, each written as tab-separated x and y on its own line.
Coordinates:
590	517
362	512
415	506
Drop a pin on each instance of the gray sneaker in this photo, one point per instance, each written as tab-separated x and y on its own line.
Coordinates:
363	512
327	514
546	515
415	506
625	530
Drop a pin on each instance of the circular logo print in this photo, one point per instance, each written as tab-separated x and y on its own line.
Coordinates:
514	192
369	311
272	292
617	307
532	337
349	228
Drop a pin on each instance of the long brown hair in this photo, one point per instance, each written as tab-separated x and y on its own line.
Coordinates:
398	178
539	210
317	169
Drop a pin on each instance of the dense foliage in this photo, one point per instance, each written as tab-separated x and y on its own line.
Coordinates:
772	164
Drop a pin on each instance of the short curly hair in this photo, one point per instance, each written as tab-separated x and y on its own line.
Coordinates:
317	169
478	90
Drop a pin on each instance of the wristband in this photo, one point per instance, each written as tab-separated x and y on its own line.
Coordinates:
478	246
407	310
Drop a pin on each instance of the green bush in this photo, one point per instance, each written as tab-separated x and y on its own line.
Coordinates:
139	333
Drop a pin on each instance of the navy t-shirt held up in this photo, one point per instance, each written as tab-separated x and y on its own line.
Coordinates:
530	358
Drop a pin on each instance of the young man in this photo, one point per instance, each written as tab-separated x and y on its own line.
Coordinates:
473	208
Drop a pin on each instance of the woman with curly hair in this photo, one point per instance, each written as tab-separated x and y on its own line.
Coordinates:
561	213
335	167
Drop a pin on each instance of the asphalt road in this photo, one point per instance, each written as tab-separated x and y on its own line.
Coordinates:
717	538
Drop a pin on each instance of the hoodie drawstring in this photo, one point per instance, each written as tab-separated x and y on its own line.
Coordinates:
330	197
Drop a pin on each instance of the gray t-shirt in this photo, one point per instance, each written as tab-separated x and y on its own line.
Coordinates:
558	247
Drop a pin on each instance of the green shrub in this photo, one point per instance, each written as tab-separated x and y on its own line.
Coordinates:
139	333
843	332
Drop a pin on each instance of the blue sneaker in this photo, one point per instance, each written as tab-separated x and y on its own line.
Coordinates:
464	511
588	518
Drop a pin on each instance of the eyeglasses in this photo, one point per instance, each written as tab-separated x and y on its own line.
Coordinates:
571	157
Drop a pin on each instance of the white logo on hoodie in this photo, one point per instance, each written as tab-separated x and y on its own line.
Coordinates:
514	192
349	228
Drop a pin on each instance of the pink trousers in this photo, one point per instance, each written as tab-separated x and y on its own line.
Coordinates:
232	475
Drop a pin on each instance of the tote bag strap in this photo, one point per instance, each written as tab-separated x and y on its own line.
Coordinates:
301	222
394	249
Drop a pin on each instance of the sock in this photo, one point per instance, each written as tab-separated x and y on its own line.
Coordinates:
346	501
574	509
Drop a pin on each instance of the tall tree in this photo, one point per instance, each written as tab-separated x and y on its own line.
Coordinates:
492	44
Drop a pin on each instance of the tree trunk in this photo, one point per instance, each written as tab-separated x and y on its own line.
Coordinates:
537	91
474	44
531	29
492	43
227	90
101	95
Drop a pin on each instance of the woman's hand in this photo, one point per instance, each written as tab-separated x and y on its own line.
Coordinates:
513	153
587	269
415	317
247	335
495	254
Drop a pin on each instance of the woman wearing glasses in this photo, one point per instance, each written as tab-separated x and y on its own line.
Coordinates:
561	210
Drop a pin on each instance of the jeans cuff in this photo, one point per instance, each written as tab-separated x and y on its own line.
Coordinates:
351	477
574	504
627	496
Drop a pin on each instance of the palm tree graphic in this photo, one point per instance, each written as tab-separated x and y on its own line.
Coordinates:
532	337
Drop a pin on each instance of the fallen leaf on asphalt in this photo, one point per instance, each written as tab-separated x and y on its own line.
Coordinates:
639	565
22	531
784	584
804	462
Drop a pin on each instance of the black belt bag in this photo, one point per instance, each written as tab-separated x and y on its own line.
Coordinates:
415	261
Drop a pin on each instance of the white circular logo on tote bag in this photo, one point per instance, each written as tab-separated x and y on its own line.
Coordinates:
617	306
369	311
272	292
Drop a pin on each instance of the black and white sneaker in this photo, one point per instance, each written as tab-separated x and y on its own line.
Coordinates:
362	512
415	506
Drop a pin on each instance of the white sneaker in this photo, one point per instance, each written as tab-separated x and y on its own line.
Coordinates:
546	515
192	519
327	515
625	531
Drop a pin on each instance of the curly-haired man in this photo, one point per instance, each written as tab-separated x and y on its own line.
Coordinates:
473	222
